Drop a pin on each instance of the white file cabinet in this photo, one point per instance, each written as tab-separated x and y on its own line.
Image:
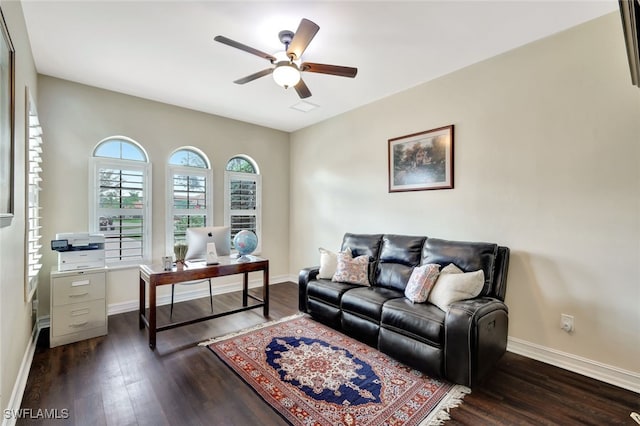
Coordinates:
78	305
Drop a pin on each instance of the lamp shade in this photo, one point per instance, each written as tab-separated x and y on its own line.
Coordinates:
286	75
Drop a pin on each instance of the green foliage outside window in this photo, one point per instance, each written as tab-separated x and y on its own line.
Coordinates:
239	164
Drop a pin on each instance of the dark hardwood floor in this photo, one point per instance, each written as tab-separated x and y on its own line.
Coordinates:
117	380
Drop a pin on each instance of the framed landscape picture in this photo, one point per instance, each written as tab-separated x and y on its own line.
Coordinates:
421	161
6	120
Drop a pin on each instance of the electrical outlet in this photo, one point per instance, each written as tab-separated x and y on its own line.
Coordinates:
566	322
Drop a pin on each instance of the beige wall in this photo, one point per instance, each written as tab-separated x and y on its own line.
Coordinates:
547	162
15	313
76	117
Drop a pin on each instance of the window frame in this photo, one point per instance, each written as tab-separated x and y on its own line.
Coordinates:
98	162
257	212
171	211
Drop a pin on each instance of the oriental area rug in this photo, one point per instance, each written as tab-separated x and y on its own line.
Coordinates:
314	375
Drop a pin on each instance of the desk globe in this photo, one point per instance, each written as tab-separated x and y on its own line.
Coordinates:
245	242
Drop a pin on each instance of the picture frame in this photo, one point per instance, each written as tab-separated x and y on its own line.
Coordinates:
7	114
421	161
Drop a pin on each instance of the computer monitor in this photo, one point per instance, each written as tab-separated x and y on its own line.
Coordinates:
197	239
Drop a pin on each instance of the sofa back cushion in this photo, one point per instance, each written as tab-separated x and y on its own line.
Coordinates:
368	244
399	254
364	244
468	256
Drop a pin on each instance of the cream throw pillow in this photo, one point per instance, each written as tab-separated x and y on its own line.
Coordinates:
329	262
454	285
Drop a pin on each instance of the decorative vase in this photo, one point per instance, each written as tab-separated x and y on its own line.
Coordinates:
180	251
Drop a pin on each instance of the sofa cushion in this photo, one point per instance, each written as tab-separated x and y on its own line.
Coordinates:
362	244
328	291
421	282
353	270
328	263
367	301
398	256
454	285
468	256
422	321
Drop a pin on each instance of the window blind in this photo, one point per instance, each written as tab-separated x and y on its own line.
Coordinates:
243	203
33	226
190	204
121	213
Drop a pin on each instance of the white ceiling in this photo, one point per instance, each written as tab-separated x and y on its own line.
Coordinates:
164	50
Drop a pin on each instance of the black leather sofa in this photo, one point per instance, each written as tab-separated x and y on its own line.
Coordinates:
460	345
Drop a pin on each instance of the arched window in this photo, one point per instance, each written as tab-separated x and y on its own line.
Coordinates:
121	148
190	194
120	195
243	197
241	164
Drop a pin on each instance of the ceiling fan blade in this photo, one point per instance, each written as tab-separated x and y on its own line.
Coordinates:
237	45
303	36
302	89
329	69
254	76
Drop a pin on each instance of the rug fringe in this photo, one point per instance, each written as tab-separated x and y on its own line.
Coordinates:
247	330
440	413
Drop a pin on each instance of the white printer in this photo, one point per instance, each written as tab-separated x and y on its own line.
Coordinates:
79	250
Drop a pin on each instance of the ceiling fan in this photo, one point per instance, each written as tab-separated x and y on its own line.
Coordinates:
288	65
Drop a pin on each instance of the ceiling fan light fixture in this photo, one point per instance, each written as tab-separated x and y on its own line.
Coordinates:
287	64
286	75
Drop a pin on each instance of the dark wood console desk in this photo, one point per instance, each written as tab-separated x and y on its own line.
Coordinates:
155	275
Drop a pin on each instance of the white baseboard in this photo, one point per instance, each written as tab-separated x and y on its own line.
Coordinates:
290	278
10	417
606	373
132	305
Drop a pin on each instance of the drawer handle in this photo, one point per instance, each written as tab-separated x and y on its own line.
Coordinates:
78	283
80	324
79	294
79	312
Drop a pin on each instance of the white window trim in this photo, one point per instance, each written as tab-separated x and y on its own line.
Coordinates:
171	211
228	176
97	162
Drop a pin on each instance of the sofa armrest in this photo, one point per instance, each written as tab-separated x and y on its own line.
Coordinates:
475	338
306	275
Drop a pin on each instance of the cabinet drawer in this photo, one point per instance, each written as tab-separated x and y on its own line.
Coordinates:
78	317
77	288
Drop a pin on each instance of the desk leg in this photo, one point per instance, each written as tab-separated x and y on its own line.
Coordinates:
141	311
245	289
152	315
265	290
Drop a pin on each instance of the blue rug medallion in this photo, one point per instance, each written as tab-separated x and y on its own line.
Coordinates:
323	372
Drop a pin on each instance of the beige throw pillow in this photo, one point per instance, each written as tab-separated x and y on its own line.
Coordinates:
454	285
